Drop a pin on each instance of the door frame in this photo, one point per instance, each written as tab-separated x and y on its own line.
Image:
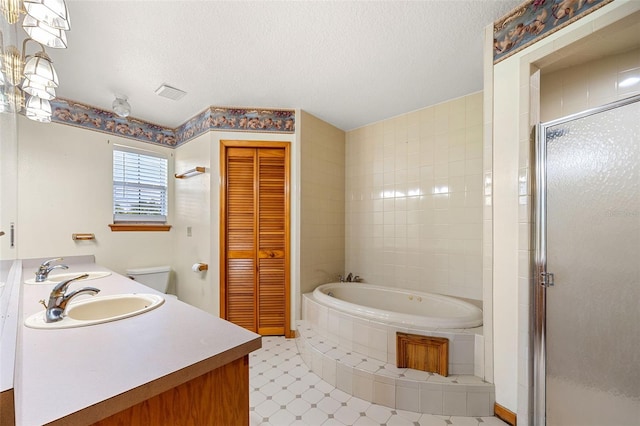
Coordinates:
224	145
539	309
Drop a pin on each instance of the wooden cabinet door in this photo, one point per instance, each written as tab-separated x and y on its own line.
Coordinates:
255	258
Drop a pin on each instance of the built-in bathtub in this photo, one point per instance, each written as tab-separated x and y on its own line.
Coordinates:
347	336
365	318
400	307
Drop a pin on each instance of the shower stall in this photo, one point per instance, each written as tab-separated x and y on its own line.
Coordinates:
587	268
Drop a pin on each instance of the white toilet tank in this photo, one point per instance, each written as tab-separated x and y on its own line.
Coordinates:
156	277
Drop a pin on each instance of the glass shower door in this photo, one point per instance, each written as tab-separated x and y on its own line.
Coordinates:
592	248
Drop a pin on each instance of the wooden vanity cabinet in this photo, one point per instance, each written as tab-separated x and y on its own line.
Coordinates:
219	397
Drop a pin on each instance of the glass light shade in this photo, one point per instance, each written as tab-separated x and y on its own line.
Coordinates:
44	34
54	13
121	107
39	69
38	109
40	90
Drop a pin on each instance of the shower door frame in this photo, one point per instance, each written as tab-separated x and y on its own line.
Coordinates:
540	255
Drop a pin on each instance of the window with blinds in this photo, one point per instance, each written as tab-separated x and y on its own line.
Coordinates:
139	187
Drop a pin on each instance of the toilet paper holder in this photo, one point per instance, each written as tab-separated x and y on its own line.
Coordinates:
199	267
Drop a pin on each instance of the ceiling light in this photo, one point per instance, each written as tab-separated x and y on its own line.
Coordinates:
39	69
54	13
38	109
170	92
121	106
45	34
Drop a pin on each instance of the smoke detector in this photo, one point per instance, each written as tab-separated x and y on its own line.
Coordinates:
169	92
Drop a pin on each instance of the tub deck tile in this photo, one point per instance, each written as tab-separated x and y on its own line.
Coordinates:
377	381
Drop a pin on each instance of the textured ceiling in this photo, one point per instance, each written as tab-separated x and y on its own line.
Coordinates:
350	63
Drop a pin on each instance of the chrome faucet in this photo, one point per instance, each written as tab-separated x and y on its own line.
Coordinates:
58	300
43	271
349	278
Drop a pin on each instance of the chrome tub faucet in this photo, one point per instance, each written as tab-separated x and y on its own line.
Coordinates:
43	271
58	299
349	279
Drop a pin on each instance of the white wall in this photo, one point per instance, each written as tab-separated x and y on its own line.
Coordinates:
65	186
414	200
192	215
515	101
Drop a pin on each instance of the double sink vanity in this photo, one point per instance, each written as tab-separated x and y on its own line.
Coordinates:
128	355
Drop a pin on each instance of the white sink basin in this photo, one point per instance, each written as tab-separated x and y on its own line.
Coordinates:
56	278
100	309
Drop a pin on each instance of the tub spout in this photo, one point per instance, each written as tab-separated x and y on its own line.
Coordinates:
349	277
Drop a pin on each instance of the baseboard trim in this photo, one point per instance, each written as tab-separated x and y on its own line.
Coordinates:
504	414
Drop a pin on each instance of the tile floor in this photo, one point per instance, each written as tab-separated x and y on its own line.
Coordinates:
284	391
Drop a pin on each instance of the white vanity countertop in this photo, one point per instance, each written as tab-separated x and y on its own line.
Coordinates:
80	375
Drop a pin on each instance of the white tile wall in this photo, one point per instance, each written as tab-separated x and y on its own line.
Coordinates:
575	89
414	200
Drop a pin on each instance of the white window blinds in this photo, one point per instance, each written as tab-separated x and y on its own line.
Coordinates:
139	187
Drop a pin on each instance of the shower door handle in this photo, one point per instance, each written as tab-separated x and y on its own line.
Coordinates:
546	279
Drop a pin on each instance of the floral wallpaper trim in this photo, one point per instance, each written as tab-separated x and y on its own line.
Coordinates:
534	20
214	118
237	119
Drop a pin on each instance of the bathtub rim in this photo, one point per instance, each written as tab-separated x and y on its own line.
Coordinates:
399	319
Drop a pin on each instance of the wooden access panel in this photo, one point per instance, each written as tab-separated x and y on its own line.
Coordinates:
255	236
424	353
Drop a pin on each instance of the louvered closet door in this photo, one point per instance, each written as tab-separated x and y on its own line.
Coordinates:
256	261
271	241
241	238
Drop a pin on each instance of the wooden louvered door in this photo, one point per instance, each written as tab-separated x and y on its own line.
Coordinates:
255	236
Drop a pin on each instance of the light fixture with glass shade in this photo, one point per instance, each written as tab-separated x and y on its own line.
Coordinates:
38	109
46	23
45	34
121	106
40	90
39	69
54	13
